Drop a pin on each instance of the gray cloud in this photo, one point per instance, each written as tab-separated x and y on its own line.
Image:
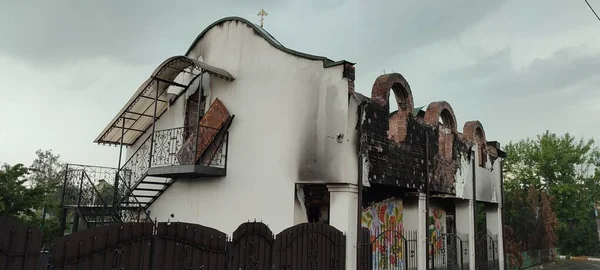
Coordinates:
398	27
518	101
69	66
135	31
565	73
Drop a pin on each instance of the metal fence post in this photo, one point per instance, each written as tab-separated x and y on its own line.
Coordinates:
461	254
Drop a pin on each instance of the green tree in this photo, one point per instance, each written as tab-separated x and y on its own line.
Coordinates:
551	184
48	171
16	198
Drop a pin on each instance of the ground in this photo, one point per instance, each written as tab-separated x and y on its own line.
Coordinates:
574	265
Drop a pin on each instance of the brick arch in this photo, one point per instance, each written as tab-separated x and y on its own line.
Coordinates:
448	131
380	93
438	109
473	132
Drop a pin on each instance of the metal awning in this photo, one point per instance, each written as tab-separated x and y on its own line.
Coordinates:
136	117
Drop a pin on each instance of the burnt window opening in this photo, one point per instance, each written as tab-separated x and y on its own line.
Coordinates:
481	145
446	121
446	125
316	201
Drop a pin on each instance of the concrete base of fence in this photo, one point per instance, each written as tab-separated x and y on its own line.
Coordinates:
540	266
584	258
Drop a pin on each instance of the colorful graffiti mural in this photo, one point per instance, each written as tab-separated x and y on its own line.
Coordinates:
437	219
385	223
382	216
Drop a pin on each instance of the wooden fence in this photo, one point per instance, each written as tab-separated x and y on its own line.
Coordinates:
20	245
176	246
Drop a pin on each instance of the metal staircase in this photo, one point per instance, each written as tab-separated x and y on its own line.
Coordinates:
95	196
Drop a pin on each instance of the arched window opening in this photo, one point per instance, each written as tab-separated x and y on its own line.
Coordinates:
446	125
394	107
481	144
446	121
400	97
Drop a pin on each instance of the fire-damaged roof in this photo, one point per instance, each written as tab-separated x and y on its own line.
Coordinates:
269	38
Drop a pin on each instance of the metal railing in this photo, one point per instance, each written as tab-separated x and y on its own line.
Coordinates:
390	249
449	251
110	190
176	146
86	185
179	146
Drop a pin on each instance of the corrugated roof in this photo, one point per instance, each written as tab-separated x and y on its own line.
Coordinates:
136	117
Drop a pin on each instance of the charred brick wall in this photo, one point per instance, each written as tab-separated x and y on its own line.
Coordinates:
396	145
392	163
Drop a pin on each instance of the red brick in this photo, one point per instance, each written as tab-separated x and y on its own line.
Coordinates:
432	115
380	92
473	132
380	95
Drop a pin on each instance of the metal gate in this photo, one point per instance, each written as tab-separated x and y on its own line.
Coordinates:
313	246
486	255
251	247
446	252
392	250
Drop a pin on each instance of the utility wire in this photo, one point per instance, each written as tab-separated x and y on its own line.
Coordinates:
588	3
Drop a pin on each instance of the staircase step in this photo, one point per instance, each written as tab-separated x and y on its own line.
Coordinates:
147	189
156	183
142	196
98	214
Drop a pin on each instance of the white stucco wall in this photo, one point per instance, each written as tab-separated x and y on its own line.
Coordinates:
411	213
464	178
288	114
488	179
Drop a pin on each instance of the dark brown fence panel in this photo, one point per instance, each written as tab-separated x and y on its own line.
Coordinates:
20	245
310	246
365	255
251	247
189	246
117	246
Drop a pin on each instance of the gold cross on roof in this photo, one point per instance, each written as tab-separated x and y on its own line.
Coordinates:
262	13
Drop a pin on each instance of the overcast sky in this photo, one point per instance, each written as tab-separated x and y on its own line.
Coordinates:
518	66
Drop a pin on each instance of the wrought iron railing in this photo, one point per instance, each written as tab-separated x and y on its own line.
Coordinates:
390	249
104	187
88	185
136	167
179	146
176	146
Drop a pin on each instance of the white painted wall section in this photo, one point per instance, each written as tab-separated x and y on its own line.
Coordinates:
465	223
288	114
343	216
493	214
421	233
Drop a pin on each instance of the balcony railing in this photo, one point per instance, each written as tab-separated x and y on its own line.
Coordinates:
177	146
89	185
